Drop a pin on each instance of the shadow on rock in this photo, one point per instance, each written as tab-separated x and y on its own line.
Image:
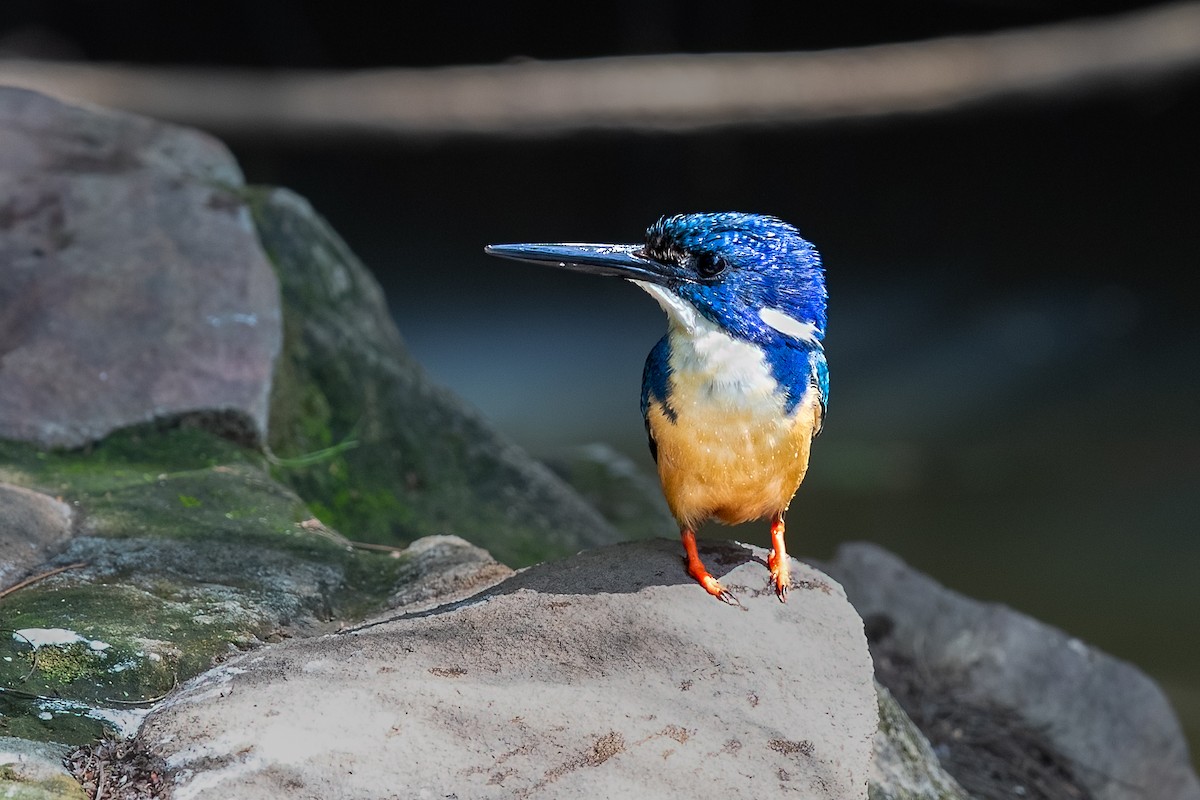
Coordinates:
625	568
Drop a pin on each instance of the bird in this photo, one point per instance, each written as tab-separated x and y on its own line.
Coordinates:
735	392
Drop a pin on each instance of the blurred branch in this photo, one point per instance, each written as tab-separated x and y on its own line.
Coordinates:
669	92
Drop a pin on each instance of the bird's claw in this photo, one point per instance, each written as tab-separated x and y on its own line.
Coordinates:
727	596
713	587
781	589
781	576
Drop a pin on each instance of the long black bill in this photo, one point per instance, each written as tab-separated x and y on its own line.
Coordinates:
618	260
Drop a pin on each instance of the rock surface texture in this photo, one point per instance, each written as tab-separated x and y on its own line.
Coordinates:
34	771
1014	706
132	290
606	675
905	767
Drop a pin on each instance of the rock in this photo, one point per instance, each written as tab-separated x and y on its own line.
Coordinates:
93	204
905	767
609	674
138	288
442	569
32	526
1014	706
424	463
35	771
139	321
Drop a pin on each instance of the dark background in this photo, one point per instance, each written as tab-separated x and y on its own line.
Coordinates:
1014	356
317	33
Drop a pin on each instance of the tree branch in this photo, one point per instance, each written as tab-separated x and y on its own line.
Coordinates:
668	92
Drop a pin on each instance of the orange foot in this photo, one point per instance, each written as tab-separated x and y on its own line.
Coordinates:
696	569
781	571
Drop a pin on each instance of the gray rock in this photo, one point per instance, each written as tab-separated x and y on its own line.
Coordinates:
442	569
610	674
904	766
32	526
1014	706
134	288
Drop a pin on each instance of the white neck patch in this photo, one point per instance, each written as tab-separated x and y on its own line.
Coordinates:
710	363
789	326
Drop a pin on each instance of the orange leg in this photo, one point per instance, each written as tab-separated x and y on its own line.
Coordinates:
696	569
781	573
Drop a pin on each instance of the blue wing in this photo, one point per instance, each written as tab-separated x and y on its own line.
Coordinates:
655	385
819	380
798	370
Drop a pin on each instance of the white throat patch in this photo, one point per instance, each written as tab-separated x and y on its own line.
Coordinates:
715	366
678	310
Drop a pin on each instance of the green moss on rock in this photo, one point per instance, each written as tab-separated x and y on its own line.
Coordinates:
63	665
167	587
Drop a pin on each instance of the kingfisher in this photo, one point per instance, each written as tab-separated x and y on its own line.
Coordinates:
735	392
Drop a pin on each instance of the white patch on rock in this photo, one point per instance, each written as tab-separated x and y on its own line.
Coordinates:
127	721
47	637
57	637
234	318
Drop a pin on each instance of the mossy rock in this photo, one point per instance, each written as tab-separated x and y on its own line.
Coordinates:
187	546
424	462
189	551
59	787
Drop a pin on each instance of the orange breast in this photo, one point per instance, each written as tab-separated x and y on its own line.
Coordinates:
733	463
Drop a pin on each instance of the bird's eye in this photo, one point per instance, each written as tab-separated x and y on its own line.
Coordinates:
709	265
